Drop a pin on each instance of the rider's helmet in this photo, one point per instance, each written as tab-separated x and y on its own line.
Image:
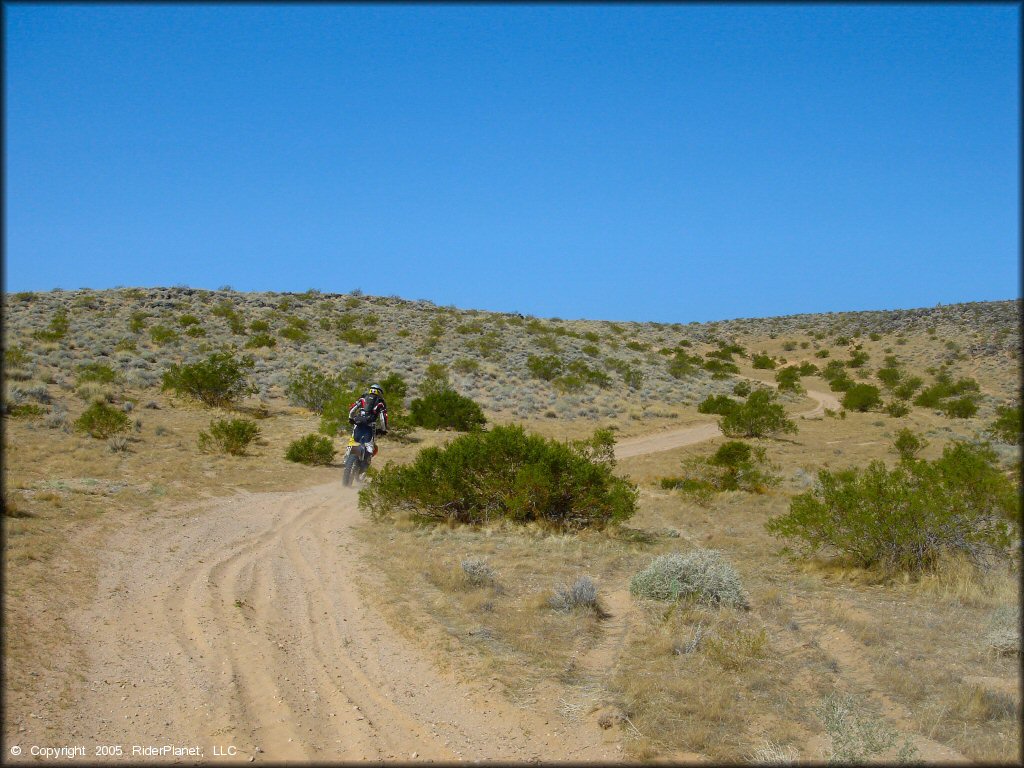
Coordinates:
376	390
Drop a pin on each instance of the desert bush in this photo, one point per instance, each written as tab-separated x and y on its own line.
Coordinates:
859	735
186	320
702	575
312	389
504	473
907	387
231	436
822	353
546	367
466	365
759	416
259	326
311	449
857	359
720	404
908	445
683	364
960	408
57	328
161	334
580	595
743	467
861	397
358	336
720	369
1003	632
98	372
908	517
1007	426
478	572
260	340
763	360
294	333
808	369
890	377
446	409
102	421
896	409
219	380
741	388
789	379
15	357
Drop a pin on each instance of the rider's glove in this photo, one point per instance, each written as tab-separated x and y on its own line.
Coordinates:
351	420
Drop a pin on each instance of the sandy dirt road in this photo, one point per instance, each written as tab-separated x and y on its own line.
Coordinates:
235	626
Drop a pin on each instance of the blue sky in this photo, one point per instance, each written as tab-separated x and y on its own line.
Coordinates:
663	162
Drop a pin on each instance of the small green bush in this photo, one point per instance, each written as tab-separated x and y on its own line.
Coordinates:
789	379
720	404
720	369
101	421
186	320
294	333
808	369
219	380
312	389
57	329
759	416
908	517
466	365
312	449
506	473
15	357
446	410
702	575
357	336
98	372
741	388
546	367
822	353
960	408
861	397
897	408
763	360
1007	426
260	340
890	377
161	334
908	445
259	326
230	436
683	364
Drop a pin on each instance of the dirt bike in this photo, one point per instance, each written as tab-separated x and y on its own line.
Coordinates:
357	459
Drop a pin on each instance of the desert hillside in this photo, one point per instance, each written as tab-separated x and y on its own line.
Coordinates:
254	564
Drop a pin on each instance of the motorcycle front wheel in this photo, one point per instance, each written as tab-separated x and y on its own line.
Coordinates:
349	471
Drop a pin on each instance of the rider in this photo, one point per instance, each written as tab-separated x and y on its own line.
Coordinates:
372	404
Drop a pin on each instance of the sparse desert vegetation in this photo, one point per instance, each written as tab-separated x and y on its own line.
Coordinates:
732	600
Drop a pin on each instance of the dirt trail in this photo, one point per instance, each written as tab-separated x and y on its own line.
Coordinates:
236	624
677	438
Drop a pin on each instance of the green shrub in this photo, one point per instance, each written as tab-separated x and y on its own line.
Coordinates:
359	337
161	334
546	367
857	360
219	380
763	360
759	416
446	410
861	397
960	408
896	409
720	369
741	388
789	379
822	353
908	517
195	331
101	421
15	357
702	575
309	388
259	326
808	369
260	340
98	372
720	404
859	737
908	445
57	329
906	388
231	436
311	449
506	473
683	364
890	377
186	320
1007	426
466	365
294	333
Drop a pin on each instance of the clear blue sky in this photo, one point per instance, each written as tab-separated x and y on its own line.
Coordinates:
663	162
